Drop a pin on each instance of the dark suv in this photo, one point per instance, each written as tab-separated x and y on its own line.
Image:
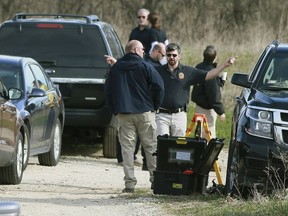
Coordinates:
259	136
71	49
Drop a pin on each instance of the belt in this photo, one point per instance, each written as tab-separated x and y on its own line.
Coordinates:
169	111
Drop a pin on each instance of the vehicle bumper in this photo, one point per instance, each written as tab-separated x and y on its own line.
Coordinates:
260	159
88	118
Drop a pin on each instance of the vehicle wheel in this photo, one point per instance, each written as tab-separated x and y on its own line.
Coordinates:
232	170
52	157
233	186
26	148
109	142
13	174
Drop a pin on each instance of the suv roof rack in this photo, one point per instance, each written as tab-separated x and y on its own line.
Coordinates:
89	19
275	42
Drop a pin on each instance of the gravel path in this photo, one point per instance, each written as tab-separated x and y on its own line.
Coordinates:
83	186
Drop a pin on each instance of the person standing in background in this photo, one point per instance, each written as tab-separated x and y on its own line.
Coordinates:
157	54
142	32
134	90
154	58
207	95
158	34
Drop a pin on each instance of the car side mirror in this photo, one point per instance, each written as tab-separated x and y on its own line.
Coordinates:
240	79
37	92
14	93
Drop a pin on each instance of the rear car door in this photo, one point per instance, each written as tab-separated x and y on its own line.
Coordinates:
48	105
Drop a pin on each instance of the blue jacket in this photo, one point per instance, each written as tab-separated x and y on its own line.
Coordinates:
133	86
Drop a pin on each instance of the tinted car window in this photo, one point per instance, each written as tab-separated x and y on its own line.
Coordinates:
67	45
10	75
114	45
29	79
276	74
39	75
256	67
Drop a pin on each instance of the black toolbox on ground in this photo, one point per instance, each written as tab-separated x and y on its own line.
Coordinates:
183	164
177	154
178	183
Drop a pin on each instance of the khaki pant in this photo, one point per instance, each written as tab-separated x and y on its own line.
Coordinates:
174	124
211	117
129	126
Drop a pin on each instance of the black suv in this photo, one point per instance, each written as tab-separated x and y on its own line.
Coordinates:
71	49
259	136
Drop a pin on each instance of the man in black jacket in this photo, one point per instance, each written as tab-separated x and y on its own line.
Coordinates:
207	95
134	90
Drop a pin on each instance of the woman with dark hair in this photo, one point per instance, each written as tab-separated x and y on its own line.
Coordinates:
159	35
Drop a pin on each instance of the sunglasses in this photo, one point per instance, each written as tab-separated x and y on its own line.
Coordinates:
170	55
161	53
143	17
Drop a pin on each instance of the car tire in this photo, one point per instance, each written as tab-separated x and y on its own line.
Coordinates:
230	174
52	157
109	142
233	186
13	174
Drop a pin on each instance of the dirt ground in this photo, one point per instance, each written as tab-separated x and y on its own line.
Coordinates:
86	185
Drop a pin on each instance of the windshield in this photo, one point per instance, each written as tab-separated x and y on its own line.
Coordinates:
276	75
73	46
